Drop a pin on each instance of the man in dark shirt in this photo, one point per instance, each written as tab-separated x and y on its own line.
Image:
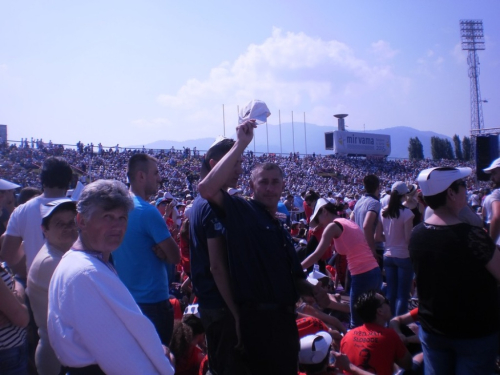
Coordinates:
210	272
266	275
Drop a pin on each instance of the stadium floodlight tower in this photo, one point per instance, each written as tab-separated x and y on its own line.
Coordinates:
341	121
473	40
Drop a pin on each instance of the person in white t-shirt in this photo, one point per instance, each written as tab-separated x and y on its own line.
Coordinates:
24	223
394	228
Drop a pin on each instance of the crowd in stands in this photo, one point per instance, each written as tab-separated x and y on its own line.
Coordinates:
138	276
180	169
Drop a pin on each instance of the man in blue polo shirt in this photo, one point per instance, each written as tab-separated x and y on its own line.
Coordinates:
266	275
141	258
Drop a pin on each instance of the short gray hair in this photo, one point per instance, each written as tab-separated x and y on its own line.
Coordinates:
106	194
265	167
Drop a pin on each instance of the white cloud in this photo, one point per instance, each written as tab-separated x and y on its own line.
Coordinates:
459	54
3	66
289	71
383	50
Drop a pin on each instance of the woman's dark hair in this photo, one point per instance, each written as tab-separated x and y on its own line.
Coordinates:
182	336
392	210
311	196
439	200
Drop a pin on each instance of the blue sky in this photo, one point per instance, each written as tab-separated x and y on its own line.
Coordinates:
133	72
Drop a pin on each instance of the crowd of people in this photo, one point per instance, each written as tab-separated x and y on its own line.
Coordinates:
181	170
228	262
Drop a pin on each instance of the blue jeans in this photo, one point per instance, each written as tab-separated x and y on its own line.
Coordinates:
399	276
161	315
14	361
443	355
363	283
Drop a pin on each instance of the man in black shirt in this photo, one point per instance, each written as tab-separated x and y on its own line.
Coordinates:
266	274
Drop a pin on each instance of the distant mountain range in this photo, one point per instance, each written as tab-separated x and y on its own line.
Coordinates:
400	136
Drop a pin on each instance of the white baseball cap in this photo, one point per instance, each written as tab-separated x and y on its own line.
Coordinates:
7	185
433	181
494	164
314	348
400	187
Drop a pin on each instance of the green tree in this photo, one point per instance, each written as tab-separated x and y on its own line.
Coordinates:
412	149
441	148
419	147
448	149
458	147
466	146
437	148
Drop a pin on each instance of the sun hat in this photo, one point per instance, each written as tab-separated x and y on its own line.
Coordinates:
433	181
314	348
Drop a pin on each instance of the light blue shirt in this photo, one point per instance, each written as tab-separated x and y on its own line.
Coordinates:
143	273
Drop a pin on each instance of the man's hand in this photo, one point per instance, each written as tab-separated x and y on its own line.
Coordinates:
244	132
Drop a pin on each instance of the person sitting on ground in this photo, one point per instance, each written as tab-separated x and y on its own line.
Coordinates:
315	357
371	346
187	338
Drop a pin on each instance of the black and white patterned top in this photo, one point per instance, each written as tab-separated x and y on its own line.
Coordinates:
11	336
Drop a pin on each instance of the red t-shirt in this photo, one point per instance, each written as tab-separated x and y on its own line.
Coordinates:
192	365
373	348
176	305
309	326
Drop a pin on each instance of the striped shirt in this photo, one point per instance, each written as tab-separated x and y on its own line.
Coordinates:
11	336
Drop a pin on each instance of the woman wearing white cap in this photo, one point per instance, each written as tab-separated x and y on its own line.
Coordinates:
394	228
348	240
453	260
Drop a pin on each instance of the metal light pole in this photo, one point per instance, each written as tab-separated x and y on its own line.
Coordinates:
472	36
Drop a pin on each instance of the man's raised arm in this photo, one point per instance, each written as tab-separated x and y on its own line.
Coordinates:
210	187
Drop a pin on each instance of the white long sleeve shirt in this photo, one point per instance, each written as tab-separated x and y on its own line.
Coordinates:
93	319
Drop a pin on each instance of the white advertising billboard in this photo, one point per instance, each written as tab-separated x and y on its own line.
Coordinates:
350	143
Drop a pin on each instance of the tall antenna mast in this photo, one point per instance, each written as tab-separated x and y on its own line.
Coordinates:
472	35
